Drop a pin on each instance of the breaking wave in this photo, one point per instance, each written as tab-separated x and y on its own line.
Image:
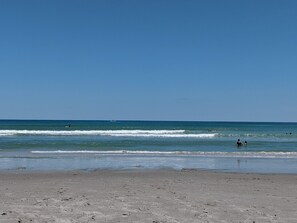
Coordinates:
176	153
115	133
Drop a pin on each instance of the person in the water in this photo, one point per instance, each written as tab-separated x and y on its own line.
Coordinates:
239	143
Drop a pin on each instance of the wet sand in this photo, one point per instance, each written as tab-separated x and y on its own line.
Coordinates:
147	196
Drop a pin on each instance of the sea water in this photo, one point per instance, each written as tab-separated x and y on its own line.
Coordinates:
90	145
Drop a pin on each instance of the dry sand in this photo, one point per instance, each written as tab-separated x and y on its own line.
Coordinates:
147	196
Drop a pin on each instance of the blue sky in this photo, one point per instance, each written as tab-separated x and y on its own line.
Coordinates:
149	60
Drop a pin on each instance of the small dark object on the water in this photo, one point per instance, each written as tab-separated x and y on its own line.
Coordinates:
239	143
3	213
245	143
67	126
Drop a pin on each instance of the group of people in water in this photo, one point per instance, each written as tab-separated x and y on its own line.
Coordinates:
239	143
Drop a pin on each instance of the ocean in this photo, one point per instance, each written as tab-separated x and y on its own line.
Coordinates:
42	145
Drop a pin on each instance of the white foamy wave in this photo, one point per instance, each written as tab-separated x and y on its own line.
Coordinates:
176	153
115	133
101	152
6	134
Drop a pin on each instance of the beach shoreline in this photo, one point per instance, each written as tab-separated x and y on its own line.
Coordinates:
147	196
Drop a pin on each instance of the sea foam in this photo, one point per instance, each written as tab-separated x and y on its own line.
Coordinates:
115	133
261	154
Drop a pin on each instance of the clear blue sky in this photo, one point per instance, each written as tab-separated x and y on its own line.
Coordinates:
149	60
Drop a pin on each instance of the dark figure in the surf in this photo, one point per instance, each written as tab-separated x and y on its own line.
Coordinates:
239	143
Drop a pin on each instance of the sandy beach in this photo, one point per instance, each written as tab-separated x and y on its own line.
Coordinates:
147	196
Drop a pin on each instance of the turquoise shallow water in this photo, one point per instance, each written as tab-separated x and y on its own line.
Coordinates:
69	145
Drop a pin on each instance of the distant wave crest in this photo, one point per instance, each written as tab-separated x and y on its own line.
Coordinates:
116	133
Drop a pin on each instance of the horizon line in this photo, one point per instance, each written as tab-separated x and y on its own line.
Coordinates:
142	120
